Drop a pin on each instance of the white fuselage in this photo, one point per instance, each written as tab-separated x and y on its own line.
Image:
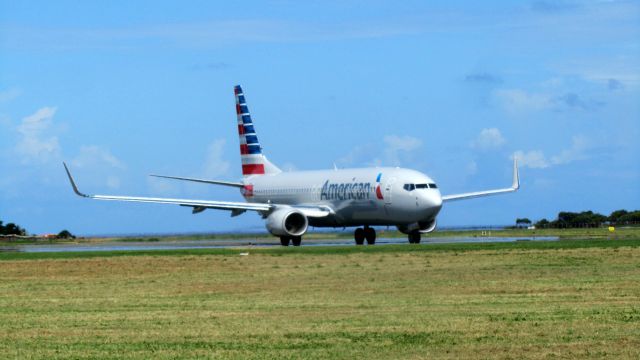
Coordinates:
357	197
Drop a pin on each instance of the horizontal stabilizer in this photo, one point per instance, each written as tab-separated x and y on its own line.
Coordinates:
214	182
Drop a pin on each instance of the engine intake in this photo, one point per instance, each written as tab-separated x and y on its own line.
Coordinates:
423	227
427	226
287	222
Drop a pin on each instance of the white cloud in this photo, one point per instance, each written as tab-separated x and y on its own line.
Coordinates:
162	186
515	101
93	155
200	34
488	139
34	142
472	167
214	165
399	148
358	155
536	159
519	101
554	82
579	144
10	94
5	120
100	163
113	182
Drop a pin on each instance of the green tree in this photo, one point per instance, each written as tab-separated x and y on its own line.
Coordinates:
568	219
542	224
632	217
65	234
617	214
524	222
12	229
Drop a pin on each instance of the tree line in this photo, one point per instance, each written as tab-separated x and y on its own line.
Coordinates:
13	229
567	219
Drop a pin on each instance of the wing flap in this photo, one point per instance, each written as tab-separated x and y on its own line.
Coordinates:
221	205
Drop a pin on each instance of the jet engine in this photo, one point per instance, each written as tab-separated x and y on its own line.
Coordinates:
287	222
423	227
427	226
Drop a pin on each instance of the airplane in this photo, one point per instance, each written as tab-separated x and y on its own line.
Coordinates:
290	202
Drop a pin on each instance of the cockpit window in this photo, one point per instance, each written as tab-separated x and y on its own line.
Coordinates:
409	187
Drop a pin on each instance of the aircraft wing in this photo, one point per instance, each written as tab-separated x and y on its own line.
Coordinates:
514	187
236	208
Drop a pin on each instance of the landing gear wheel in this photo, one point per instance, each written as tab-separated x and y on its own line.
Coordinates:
414	237
358	235
296	240
284	240
370	235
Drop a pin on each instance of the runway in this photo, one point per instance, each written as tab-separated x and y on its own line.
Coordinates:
246	244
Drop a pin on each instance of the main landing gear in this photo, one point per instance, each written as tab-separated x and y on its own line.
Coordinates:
369	234
414	237
295	240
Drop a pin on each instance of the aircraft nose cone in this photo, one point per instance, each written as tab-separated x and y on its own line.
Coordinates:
437	200
433	200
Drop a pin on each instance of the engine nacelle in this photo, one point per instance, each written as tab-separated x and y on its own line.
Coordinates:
287	222
427	226
423	227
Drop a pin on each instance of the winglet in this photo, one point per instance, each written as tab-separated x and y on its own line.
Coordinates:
73	183
516	175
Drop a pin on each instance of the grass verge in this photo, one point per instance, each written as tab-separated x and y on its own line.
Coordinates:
562	299
337	250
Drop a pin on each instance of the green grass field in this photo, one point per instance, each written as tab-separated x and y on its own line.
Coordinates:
563	299
581	233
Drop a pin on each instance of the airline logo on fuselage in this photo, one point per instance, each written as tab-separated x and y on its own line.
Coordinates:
379	187
345	191
349	191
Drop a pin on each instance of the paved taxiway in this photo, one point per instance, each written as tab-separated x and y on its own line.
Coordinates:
246	243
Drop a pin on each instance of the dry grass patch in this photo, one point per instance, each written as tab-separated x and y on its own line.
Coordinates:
494	303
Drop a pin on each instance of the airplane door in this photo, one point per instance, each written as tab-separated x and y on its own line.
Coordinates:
388	191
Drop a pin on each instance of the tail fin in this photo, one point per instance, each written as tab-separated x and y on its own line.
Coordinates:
253	161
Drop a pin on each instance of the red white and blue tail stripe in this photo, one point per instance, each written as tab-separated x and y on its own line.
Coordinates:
253	161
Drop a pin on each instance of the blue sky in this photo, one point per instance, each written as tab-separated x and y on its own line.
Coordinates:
455	89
